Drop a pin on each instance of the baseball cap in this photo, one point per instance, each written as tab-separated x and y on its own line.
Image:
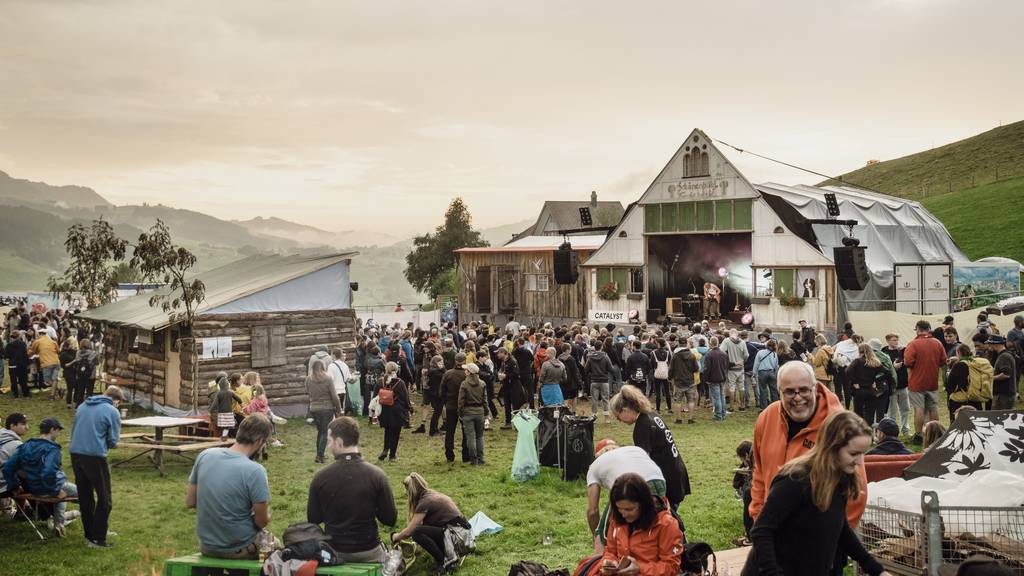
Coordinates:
995	340
602	444
976	565
888	426
875	344
48	424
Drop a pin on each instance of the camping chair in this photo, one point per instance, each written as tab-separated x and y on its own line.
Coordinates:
38	502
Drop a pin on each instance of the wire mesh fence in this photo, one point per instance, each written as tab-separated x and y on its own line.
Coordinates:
910	543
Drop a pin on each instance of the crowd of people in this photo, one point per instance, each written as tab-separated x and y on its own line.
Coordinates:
804	463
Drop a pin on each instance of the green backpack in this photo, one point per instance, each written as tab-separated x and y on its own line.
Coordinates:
979	382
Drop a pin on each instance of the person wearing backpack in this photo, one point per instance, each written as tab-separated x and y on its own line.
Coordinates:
661	358
84	367
737	352
373	372
393	395
68	352
960	389
766	366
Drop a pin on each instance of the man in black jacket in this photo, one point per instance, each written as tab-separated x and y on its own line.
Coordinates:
524	358
681	371
16	352
716	372
450	384
638	367
887	439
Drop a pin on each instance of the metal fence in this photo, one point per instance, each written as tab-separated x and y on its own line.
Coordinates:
909	543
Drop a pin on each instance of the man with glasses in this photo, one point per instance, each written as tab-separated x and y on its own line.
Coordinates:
788	428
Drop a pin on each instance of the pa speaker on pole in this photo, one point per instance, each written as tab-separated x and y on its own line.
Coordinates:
851	267
566	265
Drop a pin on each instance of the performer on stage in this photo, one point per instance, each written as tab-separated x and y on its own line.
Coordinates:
712	299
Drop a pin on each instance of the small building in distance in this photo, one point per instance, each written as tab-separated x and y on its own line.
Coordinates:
265	313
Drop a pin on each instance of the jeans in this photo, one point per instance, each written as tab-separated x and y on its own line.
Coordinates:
92	475
616	383
718	398
750	391
768	392
599	389
58	509
473	428
662	387
321	419
450	425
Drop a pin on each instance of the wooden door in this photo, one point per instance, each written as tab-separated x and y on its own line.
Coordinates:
483	290
172	382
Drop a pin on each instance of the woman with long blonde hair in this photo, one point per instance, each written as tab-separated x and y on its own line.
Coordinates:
870	382
430	513
803	523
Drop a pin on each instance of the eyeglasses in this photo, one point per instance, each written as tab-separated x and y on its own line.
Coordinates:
792	392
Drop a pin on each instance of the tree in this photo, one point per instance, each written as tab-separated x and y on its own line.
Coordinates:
93	252
431	265
159	260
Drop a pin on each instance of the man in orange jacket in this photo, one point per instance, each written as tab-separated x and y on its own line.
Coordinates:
789	428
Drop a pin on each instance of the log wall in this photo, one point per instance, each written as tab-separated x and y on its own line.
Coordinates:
146	366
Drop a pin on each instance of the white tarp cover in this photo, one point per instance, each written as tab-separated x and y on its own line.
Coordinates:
893	230
325	289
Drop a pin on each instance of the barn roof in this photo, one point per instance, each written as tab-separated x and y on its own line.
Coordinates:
543	244
224	285
565	215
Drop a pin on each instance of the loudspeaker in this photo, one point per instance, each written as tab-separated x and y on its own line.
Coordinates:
851	268
652	315
566	265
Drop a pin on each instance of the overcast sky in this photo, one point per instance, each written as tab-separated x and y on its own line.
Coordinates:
374	114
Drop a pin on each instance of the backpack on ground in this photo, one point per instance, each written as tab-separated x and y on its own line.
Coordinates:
528	568
661	369
980	376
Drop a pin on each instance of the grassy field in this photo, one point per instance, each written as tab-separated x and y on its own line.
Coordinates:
153	524
982	220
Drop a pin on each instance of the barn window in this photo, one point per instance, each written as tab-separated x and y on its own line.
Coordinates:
695	163
779	230
636	280
538	282
267	346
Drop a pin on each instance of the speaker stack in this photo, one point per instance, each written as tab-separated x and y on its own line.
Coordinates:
851	267
566	265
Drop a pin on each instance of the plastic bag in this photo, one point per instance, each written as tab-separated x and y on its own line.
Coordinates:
394	564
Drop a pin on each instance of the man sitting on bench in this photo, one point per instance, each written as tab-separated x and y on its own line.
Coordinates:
15	427
231	495
35	467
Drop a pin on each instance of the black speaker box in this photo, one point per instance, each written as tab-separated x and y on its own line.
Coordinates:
851	267
566	266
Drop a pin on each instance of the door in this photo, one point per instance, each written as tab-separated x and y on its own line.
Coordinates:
937	288
907	280
172	380
483	290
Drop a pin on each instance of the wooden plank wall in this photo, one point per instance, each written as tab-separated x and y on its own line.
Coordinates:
560	301
304	332
147	367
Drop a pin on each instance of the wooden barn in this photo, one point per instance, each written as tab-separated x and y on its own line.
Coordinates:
266	313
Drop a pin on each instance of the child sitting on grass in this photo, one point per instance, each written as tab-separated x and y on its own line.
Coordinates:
741	480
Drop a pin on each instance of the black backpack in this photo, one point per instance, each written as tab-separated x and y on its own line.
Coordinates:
698	559
83	369
528	568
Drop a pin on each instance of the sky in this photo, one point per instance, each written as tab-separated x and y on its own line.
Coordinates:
373	115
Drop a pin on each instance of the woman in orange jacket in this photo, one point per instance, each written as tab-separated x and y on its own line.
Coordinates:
644	539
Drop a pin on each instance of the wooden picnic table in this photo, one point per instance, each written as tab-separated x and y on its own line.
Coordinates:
157	443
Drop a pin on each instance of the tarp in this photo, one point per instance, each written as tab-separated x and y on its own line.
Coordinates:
325	289
878	324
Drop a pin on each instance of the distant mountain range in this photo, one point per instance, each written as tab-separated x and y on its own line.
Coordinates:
34	217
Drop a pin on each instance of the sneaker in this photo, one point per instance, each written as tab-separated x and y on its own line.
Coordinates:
59	531
916	439
277	443
506	427
421	430
71	515
690	421
487	423
98	544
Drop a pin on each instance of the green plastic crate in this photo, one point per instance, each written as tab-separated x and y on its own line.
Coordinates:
198	565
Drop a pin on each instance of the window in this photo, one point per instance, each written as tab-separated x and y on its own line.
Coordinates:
622	277
763	282
695	163
636	280
538	282
785	281
267	345
723	215
652	218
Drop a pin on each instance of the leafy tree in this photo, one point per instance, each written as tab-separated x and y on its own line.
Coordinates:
431	266
91	271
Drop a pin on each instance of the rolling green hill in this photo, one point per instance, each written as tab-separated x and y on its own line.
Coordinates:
983	159
983	220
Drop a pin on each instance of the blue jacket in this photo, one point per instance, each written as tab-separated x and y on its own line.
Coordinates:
410	358
97	427
752	349
35	466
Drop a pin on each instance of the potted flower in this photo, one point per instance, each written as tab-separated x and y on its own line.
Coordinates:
608	291
792	301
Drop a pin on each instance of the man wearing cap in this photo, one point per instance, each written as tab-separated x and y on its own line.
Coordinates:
35	467
887	439
96	430
611	462
1004	383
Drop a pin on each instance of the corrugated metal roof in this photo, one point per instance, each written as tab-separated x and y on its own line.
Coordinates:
223	285
543	244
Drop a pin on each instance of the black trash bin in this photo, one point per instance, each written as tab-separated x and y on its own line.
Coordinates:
577	446
550	429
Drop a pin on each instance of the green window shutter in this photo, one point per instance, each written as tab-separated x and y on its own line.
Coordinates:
668	218
604	276
744	214
652	218
621	278
785	281
723	215
687	216
705	215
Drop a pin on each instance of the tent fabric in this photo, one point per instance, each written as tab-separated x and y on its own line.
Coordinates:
325	289
975	442
894	230
224	285
877	324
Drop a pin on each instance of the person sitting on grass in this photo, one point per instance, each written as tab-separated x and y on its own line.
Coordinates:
430	515
349	496
35	467
231	494
610	463
887	438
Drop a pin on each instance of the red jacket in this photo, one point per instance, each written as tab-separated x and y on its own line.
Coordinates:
924	356
657	549
772	451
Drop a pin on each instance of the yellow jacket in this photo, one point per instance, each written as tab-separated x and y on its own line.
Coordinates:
46	349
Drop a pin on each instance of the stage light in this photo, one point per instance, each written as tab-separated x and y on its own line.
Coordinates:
722	272
585	217
747	319
831	204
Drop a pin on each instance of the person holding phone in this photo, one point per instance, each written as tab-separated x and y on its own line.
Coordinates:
644	537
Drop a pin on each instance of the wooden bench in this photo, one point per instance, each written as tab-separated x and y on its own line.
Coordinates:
37	500
199	565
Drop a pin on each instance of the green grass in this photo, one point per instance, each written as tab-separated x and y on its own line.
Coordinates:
982	220
991	156
153	524
19	274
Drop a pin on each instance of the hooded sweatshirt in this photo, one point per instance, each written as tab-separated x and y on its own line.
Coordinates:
552	372
97	427
39	461
321	356
737	351
599	366
471	396
9	442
